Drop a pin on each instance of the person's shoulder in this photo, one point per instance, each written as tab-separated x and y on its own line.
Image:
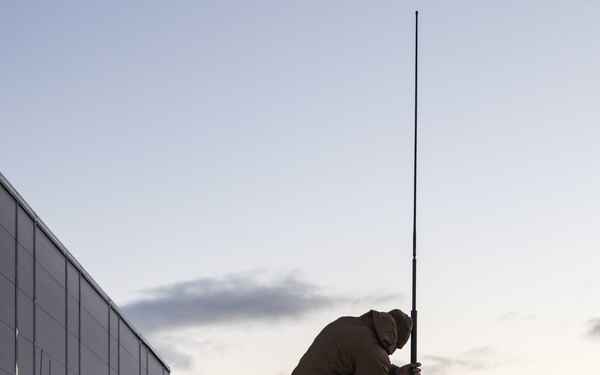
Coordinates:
346	322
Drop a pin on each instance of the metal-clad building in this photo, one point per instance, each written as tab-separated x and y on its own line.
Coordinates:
54	319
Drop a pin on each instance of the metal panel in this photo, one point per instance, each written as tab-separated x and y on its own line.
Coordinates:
25	315
114	353
128	366
114	324
7	254
144	359
50	335
72	315
50	295
7	348
94	321
129	351
129	341
94	304
73	353
25	271
73	276
155	367
8	211
7	302
25	359
25	229
50	365
94	336
49	257
91	364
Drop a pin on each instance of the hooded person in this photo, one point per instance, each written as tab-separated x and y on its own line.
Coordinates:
359	346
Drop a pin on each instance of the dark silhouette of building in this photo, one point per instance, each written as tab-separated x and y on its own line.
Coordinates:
54	319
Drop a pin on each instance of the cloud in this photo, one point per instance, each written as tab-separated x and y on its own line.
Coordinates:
177	358
594	330
439	364
236	298
513	316
472	360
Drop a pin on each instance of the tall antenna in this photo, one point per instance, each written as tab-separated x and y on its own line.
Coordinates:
413	313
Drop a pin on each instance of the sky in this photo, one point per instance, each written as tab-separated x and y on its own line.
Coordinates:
237	174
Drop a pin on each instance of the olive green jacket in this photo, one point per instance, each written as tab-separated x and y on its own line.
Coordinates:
351	346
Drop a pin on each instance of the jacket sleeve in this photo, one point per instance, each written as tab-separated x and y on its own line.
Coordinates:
393	369
372	361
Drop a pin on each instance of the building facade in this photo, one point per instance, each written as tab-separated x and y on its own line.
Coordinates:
54	319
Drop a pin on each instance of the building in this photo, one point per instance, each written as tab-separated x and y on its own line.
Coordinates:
54	319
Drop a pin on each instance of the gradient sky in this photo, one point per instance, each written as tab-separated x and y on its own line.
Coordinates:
237	174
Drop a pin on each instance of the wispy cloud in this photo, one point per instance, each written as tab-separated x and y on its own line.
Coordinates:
513	316
176	357
471	360
594	328
236	298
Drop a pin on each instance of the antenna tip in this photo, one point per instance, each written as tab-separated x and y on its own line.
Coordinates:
416	12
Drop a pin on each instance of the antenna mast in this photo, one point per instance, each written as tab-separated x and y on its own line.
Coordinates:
413	313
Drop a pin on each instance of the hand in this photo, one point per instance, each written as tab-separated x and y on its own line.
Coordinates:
410	369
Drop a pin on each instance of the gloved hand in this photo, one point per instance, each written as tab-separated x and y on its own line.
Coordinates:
410	369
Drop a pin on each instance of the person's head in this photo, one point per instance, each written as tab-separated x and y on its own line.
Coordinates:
403	325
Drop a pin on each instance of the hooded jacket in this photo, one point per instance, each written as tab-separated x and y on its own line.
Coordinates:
351	346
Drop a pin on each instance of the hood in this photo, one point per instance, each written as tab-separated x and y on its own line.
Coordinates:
384	326
404	327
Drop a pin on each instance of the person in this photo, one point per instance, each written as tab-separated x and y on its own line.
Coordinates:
359	346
